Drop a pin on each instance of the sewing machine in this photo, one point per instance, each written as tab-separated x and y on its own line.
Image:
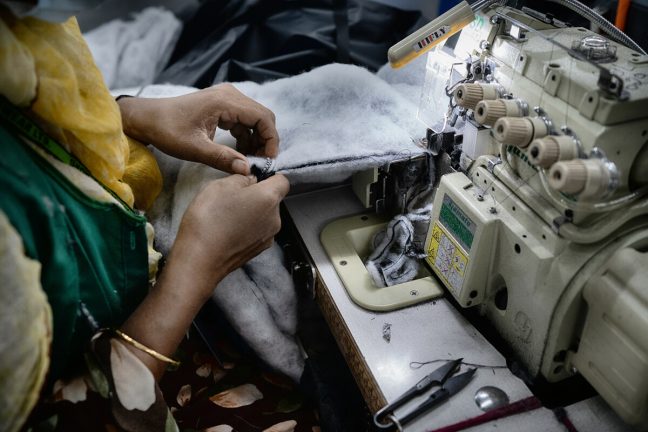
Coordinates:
540	132
544	228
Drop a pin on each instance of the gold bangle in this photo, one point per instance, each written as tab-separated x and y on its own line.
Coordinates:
156	355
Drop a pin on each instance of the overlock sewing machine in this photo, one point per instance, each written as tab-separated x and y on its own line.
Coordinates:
540	216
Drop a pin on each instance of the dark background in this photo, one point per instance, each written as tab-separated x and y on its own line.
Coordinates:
258	40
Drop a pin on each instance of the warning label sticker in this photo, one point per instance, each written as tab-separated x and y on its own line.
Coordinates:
447	259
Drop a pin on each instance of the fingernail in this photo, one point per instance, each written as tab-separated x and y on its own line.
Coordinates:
240	167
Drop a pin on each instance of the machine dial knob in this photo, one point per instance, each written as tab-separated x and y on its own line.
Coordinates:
569	177
469	94
519	131
546	151
488	111
589	178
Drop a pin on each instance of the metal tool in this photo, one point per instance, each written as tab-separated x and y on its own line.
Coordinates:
441	377
489	398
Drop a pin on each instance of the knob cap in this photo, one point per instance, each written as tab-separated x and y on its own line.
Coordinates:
589	178
546	151
569	177
469	94
488	111
519	131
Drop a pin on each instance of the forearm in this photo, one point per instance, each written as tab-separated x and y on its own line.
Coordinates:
220	231
162	319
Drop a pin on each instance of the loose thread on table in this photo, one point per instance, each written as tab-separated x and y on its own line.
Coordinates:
418	365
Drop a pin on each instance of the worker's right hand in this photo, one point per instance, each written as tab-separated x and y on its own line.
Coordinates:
230	221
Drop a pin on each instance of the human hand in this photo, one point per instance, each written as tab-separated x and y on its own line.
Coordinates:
230	221
184	126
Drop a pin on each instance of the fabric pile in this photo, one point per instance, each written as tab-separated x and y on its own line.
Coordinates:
332	121
398	249
133	53
262	292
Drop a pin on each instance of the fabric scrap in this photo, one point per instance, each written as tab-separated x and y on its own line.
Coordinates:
133	53
397	249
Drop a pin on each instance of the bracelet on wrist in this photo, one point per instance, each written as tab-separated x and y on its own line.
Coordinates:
173	364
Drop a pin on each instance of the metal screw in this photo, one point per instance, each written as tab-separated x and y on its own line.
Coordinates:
492	210
494	19
480	197
484	45
414	293
343	263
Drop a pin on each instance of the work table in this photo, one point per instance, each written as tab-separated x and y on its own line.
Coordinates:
429	331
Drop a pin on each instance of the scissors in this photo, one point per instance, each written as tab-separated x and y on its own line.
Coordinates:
441	377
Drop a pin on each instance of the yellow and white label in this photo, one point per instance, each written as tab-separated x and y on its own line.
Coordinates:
447	259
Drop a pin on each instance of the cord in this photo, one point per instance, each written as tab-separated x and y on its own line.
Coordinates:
604	24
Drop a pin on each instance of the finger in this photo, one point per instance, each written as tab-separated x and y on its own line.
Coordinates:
244	139
225	159
262	120
239	181
278	184
268	243
267	138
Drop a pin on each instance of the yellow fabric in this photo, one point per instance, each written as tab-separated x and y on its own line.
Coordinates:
142	174
73	104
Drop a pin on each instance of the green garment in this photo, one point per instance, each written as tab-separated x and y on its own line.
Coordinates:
91	252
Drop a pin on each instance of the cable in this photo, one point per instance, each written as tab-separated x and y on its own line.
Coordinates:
583	235
604	24
622	14
603	227
595	206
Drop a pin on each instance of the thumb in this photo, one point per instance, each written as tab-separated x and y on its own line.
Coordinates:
238	181
278	184
226	159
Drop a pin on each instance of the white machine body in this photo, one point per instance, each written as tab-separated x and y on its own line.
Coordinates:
544	227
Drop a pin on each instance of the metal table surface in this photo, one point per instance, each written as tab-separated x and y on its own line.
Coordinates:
428	331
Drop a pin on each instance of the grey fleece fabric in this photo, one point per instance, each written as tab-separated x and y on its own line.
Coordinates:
398	248
260	303
332	121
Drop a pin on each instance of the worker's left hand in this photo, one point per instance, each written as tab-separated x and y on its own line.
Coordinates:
184	126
